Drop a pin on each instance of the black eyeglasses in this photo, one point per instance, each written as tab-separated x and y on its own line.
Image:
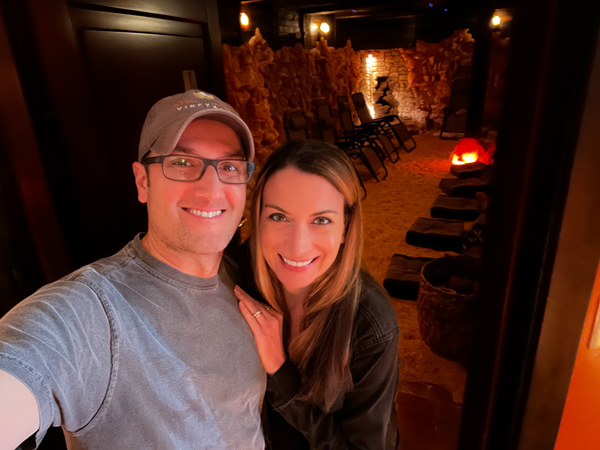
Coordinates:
191	168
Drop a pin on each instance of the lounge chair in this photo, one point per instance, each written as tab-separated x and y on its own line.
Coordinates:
361	138
391	124
295	125
455	114
328	134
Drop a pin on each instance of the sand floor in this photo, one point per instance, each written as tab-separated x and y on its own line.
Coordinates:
390	208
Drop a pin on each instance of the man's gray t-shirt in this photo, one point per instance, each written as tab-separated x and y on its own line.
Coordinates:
130	353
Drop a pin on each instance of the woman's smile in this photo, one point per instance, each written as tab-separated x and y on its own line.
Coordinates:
291	264
301	226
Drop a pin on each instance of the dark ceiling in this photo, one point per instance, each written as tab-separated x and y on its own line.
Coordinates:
374	23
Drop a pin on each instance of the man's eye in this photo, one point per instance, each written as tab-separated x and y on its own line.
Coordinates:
182	162
229	167
321	221
276	217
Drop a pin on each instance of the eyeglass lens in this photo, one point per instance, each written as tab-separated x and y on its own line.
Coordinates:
189	168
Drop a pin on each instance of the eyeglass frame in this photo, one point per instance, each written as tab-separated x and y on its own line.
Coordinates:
146	160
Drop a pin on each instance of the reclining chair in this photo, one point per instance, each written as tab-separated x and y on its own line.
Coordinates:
328	134
296	126
355	145
455	114
386	124
378	140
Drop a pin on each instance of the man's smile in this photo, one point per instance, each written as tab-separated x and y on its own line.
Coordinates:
203	213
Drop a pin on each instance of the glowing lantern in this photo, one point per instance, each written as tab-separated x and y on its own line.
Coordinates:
496	20
467	151
324	27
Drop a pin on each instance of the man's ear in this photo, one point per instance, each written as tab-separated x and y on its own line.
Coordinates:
141	181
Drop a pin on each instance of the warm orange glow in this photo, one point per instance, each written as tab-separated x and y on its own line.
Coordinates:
244	20
466	158
500	19
578	428
325	27
467	151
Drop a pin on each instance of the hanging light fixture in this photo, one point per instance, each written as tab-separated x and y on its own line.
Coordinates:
324	27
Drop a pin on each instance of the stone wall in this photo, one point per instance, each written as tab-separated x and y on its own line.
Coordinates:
288	22
391	64
419	78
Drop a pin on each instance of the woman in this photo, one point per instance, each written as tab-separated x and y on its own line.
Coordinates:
327	335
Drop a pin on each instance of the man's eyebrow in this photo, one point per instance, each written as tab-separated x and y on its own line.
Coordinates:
236	154
185	150
231	154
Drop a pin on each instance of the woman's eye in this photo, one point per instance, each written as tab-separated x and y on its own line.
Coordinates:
277	217
321	221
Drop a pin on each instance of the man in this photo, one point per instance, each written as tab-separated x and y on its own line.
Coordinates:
147	349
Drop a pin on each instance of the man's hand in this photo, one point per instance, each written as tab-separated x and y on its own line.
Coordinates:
19	413
267	327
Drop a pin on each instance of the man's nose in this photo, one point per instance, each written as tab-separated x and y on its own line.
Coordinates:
209	185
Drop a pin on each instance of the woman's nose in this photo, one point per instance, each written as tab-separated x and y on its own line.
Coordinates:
300	241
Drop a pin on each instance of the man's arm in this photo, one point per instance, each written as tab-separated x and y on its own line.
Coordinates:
19	413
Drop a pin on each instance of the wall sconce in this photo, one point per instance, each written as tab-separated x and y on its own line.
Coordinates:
500	19
244	20
324	27
370	60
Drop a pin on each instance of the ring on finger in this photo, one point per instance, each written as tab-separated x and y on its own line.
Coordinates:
257	314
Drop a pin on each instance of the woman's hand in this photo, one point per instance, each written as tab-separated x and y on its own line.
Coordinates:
267	327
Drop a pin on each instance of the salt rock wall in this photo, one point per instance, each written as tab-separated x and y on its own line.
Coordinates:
263	84
246	91
297	77
433	67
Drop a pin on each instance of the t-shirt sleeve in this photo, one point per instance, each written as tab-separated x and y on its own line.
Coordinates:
58	343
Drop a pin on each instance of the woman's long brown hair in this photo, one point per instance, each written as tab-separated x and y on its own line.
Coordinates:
321	350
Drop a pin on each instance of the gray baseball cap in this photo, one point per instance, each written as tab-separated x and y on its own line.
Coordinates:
169	117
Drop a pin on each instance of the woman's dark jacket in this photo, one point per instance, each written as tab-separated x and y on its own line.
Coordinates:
363	418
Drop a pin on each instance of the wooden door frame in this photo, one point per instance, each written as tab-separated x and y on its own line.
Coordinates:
552	48
25	162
